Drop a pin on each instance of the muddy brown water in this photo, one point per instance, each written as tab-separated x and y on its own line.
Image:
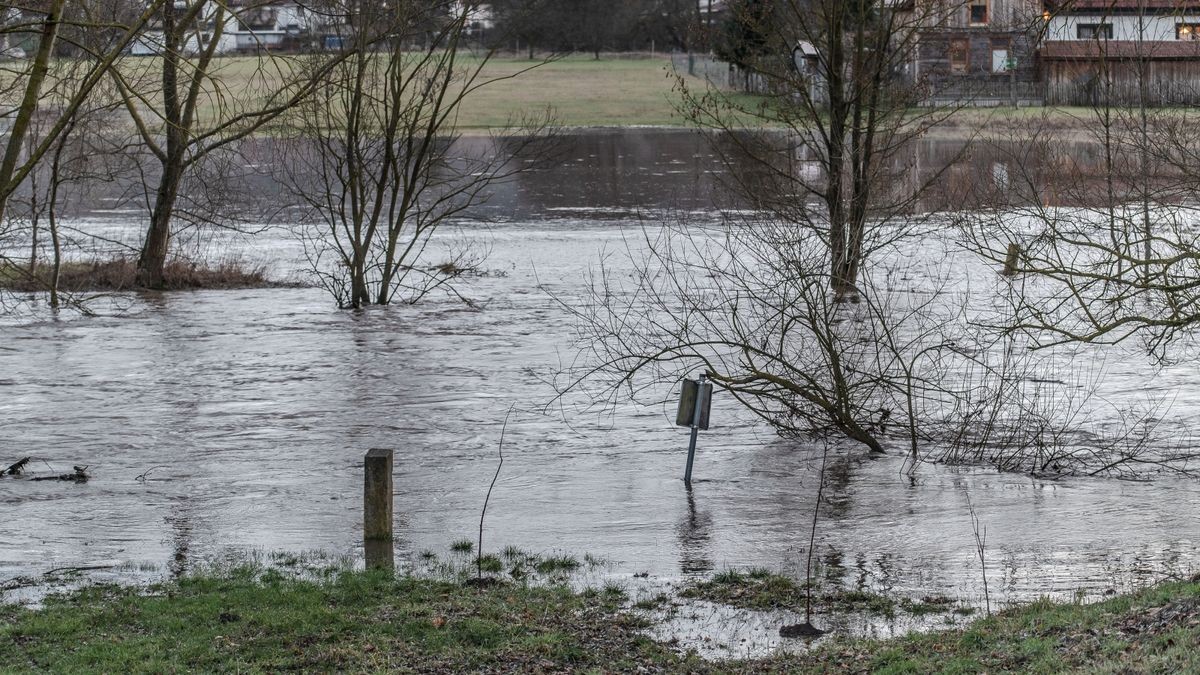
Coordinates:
249	413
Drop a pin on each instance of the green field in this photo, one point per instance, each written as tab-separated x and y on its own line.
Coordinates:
614	91
581	91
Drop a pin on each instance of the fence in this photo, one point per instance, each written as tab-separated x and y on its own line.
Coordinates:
721	75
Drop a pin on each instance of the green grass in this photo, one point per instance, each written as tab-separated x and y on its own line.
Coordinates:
613	91
582	91
1155	631
760	589
249	620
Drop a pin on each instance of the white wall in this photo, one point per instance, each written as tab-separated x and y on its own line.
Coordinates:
1156	28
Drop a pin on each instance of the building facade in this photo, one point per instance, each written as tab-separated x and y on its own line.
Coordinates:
1122	52
982	52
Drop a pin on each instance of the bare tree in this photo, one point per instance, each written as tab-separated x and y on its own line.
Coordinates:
188	104
375	156
774	304
74	113
26	95
831	74
840	305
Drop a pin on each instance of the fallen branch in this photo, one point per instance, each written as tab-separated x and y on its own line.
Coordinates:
79	476
18	582
84	568
15	469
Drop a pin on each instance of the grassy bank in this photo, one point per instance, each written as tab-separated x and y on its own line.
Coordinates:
255	620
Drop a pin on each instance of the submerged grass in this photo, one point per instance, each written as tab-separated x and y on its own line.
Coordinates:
761	589
250	619
120	274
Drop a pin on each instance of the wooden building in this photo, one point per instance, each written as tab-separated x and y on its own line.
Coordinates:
981	52
1122	52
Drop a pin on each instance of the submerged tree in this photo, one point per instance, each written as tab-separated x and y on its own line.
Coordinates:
55	91
774	303
839	304
190	105
374	153
54	105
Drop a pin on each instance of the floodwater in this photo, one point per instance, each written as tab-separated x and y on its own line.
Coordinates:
248	413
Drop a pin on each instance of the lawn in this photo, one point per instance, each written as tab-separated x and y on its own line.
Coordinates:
613	91
582	91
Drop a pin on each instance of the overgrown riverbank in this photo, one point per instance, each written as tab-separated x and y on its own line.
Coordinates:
251	619
120	274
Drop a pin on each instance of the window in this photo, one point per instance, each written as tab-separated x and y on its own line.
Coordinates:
960	50
1000	62
977	13
1094	31
1187	31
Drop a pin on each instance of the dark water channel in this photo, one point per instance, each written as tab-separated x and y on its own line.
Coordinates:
251	410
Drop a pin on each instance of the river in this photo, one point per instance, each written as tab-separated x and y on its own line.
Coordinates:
248	413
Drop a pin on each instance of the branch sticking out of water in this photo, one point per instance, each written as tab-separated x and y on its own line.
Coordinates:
483	511
980	545
806	629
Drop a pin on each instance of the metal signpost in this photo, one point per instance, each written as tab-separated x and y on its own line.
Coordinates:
695	402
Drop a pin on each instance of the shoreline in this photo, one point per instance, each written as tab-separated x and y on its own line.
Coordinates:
315	617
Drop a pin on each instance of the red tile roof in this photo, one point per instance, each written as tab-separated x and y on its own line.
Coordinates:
1119	5
1120	49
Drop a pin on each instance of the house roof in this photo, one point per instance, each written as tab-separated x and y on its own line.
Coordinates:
1120	6
1119	49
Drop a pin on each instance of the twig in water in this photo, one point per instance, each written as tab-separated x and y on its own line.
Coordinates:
483	511
980	544
812	537
806	629
141	477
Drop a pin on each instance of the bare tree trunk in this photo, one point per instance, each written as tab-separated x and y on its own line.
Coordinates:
33	224
153	258
52	213
29	102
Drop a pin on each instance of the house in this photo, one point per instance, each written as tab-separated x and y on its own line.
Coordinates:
275	26
1122	52
480	19
981	52
153	42
247	26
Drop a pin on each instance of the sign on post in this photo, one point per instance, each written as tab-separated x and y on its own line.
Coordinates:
695	402
686	416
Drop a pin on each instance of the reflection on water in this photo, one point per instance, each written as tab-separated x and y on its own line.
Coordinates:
257	406
694	535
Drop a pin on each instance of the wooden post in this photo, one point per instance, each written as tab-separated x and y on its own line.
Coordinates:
377	508
1010	262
